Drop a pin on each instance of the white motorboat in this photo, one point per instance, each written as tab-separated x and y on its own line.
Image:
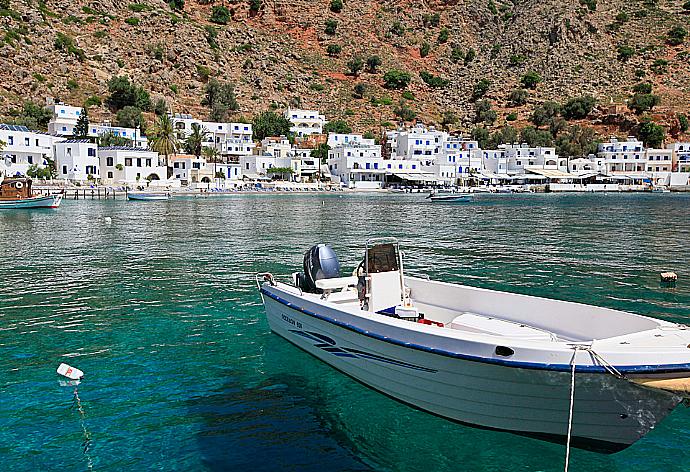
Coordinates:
16	194
451	197
486	358
148	196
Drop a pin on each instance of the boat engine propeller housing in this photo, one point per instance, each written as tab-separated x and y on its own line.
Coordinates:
320	262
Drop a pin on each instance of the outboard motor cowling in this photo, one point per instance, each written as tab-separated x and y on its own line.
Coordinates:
320	262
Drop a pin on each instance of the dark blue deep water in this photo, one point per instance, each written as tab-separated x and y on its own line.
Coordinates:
160	310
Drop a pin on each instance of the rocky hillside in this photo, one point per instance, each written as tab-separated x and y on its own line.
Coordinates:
282	52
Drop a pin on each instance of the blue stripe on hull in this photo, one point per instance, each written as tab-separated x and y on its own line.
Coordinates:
633	369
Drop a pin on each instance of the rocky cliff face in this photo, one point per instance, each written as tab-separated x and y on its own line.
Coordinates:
278	55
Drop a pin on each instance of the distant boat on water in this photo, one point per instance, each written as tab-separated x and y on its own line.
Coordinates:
148	196
450	197
17	194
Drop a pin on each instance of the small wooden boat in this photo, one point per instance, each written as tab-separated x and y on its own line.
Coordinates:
17	194
148	196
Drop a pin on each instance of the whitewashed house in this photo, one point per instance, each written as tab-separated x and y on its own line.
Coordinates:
659	160
77	160
64	118
130	165
189	169
134	135
24	148
231	140
681	156
357	165
305	122
418	142
623	156
461	158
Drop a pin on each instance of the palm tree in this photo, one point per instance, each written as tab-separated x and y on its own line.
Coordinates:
195	140
163	139
211	155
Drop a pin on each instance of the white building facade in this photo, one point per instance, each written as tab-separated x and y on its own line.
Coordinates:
77	160
130	165
24	148
305	122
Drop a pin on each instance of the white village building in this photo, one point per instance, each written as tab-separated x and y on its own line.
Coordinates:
77	160
305	122
681	155
130	165
231	140
24	148
623	156
358	164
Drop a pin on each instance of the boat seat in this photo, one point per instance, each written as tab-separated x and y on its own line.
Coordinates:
488	325
337	283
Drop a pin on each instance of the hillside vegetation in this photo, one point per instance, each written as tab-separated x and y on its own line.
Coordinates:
464	64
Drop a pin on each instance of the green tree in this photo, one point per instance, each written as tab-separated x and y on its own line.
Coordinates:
254	6
506	135
176	4
123	93
433	80
577	141
333	49
34	116
470	55
163	139
643	87
336	6
320	152
642	102
651	134
373	62
269	123
625	52
337	126
160	107
484	113
480	89
397	28
220	15
676	35
518	97
211	155
355	65
403	111
195	141
359	90
424	49
220	98
536	137
686	6
482	136
109	139
682	122
443	36
545	113
396	79
530	80
578	107
81	130
331	26
131	117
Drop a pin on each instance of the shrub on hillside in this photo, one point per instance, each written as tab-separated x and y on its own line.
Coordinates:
220	15
642	102
530	80
396	79
518	97
578	107
336	6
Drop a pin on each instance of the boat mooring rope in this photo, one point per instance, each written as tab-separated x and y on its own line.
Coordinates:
606	365
570	409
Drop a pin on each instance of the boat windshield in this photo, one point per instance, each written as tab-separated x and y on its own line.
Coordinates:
382	258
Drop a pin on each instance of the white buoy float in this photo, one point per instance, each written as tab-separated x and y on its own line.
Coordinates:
70	372
108	220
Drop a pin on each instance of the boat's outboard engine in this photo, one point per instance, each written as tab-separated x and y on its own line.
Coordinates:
320	262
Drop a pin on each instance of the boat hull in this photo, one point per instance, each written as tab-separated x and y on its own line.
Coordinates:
148	196
50	201
451	198
609	413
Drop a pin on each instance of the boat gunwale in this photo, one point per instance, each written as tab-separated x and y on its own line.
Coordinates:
649	369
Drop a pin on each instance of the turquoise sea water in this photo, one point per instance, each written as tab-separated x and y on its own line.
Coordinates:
161	311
